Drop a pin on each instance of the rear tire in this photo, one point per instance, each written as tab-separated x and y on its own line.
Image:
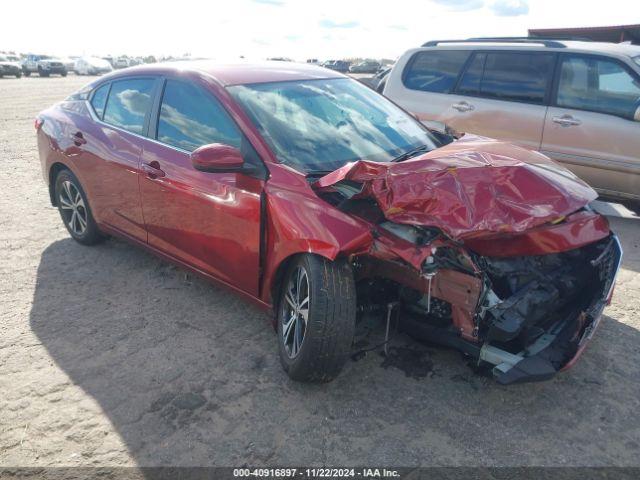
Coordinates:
324	292
64	74
27	74
74	209
19	75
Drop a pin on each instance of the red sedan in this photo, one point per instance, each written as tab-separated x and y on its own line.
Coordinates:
321	200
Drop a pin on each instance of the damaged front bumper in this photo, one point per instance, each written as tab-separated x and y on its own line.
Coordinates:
548	337
561	346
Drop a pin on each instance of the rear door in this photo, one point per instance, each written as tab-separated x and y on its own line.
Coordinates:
590	126
210	221
108	149
503	95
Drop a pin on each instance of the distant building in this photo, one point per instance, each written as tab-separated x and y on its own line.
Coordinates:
615	34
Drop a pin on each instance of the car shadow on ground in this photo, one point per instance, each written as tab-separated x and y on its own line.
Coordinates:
187	373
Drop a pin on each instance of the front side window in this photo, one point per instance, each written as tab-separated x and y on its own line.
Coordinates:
190	118
435	71
128	103
320	125
512	76
99	100
598	85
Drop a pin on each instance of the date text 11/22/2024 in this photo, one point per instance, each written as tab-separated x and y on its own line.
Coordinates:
316	472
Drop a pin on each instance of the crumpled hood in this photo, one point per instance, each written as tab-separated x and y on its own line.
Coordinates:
474	187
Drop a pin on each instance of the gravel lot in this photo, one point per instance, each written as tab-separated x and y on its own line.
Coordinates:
109	356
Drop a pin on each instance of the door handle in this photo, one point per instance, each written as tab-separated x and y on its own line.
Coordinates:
153	170
463	107
566	121
78	139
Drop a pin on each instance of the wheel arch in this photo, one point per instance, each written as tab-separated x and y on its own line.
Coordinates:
54	170
275	282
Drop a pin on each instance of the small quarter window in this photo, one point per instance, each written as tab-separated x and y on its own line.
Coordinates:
99	100
128	103
435	71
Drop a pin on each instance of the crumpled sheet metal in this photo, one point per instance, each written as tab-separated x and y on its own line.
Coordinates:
473	188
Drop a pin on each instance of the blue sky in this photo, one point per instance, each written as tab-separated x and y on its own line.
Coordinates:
300	29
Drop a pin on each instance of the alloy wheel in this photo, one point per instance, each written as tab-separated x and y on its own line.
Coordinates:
295	312
73	208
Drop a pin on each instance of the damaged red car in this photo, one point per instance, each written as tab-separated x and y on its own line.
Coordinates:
321	200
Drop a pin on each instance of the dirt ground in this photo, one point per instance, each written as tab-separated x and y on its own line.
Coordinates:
109	356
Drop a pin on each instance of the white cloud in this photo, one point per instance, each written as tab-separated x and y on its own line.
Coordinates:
461	5
510	8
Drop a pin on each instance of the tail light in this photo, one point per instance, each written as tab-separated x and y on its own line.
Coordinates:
38	123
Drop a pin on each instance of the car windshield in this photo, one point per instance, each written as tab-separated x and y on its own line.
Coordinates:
320	125
3	58
637	59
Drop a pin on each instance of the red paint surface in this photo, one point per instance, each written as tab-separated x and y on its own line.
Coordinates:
472	188
575	231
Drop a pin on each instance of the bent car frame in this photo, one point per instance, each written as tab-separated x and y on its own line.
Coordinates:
321	200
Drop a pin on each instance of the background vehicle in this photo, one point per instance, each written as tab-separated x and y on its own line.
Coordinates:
341	66
577	102
92	66
379	80
44	65
121	62
9	67
68	63
203	164
368	66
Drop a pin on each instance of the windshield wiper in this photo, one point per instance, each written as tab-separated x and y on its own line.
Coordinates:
411	153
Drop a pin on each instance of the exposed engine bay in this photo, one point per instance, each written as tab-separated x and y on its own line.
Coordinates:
526	316
519	286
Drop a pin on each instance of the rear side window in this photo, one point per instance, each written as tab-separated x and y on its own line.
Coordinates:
598	85
190	117
435	71
128	103
99	100
517	76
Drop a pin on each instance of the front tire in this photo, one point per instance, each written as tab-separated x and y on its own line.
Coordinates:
316	318
74	209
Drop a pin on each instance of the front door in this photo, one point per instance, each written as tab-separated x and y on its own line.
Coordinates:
590	129
210	221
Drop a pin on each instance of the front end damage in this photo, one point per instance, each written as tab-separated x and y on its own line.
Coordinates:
516	281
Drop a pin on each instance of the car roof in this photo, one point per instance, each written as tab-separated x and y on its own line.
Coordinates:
622	49
239	73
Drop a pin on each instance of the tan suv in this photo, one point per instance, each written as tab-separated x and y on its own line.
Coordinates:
576	101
